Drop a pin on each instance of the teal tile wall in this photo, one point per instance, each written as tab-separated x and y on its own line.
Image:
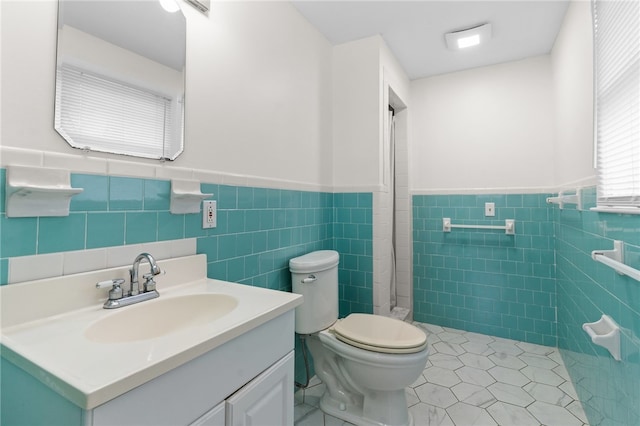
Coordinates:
4	270
258	231
609	390
484	280
111	211
353	232
25	401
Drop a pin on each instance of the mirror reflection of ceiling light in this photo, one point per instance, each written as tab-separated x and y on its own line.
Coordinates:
463	39
170	6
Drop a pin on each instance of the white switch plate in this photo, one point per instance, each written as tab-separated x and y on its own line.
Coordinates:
209	214
489	209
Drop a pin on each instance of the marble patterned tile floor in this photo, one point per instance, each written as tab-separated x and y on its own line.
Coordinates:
474	379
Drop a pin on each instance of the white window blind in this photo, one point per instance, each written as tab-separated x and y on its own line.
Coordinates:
110	116
617	82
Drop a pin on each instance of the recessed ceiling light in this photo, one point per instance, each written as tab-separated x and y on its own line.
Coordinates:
463	39
468	41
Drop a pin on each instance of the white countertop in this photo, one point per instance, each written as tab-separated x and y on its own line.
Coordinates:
55	351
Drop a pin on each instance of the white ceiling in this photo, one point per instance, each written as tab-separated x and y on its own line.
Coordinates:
414	30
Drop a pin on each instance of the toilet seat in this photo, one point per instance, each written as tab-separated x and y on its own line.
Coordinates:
380	334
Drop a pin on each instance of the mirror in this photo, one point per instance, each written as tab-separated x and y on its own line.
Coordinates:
120	77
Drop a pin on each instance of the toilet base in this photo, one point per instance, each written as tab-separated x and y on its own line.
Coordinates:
352	413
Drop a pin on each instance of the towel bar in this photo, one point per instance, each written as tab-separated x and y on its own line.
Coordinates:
615	259
509	226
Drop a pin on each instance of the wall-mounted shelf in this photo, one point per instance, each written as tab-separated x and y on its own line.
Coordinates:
615	259
509	226
186	196
38	191
564	198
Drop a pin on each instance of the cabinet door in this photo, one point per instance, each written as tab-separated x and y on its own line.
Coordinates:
267	399
214	417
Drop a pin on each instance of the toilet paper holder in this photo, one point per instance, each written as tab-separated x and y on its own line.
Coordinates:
606	333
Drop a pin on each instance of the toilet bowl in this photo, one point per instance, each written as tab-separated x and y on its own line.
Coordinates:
365	361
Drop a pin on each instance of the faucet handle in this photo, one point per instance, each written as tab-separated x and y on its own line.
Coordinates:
149	283
116	292
115	282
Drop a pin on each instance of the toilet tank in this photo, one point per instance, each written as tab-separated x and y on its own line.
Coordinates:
315	276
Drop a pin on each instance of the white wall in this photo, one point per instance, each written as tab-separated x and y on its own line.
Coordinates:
394	90
258	92
356	114
91	53
484	129
572	62
363	71
398	87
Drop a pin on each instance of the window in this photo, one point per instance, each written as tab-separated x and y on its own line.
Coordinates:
111	116
617	103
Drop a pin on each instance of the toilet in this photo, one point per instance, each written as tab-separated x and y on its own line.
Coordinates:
365	361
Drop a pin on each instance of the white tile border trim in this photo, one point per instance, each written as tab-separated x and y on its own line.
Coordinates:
86	163
39	266
481	191
579	183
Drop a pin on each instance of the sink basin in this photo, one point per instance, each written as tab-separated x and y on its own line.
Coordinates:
159	317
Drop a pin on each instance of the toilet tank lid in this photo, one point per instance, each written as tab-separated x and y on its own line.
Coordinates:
316	261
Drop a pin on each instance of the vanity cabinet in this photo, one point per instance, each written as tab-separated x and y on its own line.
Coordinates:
215	417
213	368
248	380
266	400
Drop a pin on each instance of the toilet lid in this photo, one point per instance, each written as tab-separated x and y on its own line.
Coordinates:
380	334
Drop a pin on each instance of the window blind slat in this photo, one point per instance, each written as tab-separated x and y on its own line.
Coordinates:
110	116
617	72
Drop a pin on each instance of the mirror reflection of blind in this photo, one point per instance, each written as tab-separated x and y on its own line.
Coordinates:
111	116
617	73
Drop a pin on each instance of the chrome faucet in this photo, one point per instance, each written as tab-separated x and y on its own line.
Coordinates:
116	297
155	270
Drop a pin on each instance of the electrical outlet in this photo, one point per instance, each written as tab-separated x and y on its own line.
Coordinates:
209	214
489	209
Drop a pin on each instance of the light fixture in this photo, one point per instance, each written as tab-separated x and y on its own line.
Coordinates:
170	6
202	5
463	39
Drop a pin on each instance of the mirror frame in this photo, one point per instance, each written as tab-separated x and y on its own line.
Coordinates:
119	68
